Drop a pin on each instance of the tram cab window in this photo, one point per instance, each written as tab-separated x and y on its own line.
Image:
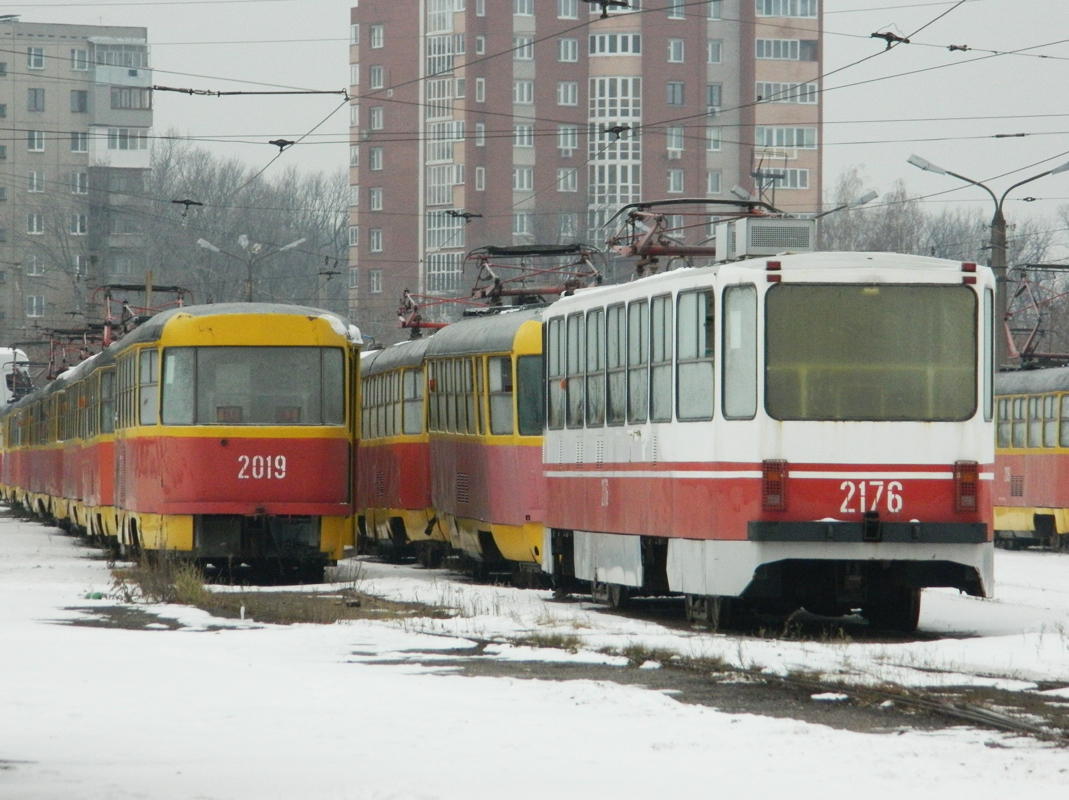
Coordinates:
554	348
412	381
148	378
529	395
500	395
253	386
1063	437
740	352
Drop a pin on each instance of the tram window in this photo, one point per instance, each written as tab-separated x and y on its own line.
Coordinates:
500	395
469	396
595	368
989	353
1035	423
1050	421
615	344
1019	422
529	395
1063	438
148	378
1004	423
412	380
555	373
575	367
694	350
638	357
661	359
107	401
740	352
179	398
872	352
432	396
480	397
451	394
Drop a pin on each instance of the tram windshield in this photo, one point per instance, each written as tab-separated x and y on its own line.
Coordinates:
253	386
871	352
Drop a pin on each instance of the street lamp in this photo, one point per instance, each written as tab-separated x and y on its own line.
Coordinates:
868	197
998	240
252	256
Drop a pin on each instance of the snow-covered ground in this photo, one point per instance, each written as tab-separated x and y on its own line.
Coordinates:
235	709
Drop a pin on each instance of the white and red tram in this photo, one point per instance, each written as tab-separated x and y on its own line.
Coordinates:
810	430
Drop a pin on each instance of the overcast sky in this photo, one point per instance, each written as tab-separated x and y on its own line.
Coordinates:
948	106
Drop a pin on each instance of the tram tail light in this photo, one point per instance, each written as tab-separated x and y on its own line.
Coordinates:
774	485
966	485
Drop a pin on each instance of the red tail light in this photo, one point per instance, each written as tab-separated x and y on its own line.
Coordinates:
966	485
774	485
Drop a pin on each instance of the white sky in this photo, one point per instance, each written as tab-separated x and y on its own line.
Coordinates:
948	110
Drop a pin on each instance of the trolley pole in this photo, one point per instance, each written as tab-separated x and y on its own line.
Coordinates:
997	245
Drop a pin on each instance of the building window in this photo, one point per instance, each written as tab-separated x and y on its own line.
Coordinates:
567	9
480	179
35	99
713	139
674	139
354	33
79	101
377	36
714	51
126	139
35	223
35	141
79	224
376	118
522	179
716	9
793	179
3	110
375	199
676	9
375	240
521	224
675	181
712	182
567	179
675	51
354	195
805	93
615	44
786	49
35	305
35	181
354	74
79	60
35	266
675	93
567	49
785	137
376	77
714	97
35	57
523	48
480	134
480	90
354	236
374	159
354	277
523	8
523	136
125	97
80	264
786	8
3	152
480	8
480	45
523	92
354	155
567	93
567	139
375	281
79	183
79	142
3	69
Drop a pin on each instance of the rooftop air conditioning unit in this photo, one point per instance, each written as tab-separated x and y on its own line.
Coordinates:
750	237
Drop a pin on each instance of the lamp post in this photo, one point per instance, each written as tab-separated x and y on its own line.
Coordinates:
997	242
868	197
252	256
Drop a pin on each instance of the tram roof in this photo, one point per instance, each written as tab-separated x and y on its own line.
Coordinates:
493	333
1032	381
403	354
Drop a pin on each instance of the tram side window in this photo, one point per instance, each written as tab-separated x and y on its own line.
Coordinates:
127	391
500	394
595	368
576	368
1035	423
555	373
638	357
1004	423
467	366
107	401
412	380
694	351
1063	438
1019	422
148	377
661	359
434	396
529	395
1050	421
615	348
740	352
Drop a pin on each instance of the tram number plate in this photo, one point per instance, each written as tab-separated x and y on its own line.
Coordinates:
869	495
261	467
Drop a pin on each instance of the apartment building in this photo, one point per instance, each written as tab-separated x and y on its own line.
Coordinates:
76	110
501	122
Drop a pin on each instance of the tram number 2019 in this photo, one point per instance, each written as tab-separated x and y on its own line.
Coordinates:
261	467
869	495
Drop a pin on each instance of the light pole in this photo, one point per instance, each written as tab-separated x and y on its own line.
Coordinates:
252	256
997	243
868	197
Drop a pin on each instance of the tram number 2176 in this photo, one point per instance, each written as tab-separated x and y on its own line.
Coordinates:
871	496
261	467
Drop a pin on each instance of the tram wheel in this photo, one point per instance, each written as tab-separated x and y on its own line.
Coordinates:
617	596
894	608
